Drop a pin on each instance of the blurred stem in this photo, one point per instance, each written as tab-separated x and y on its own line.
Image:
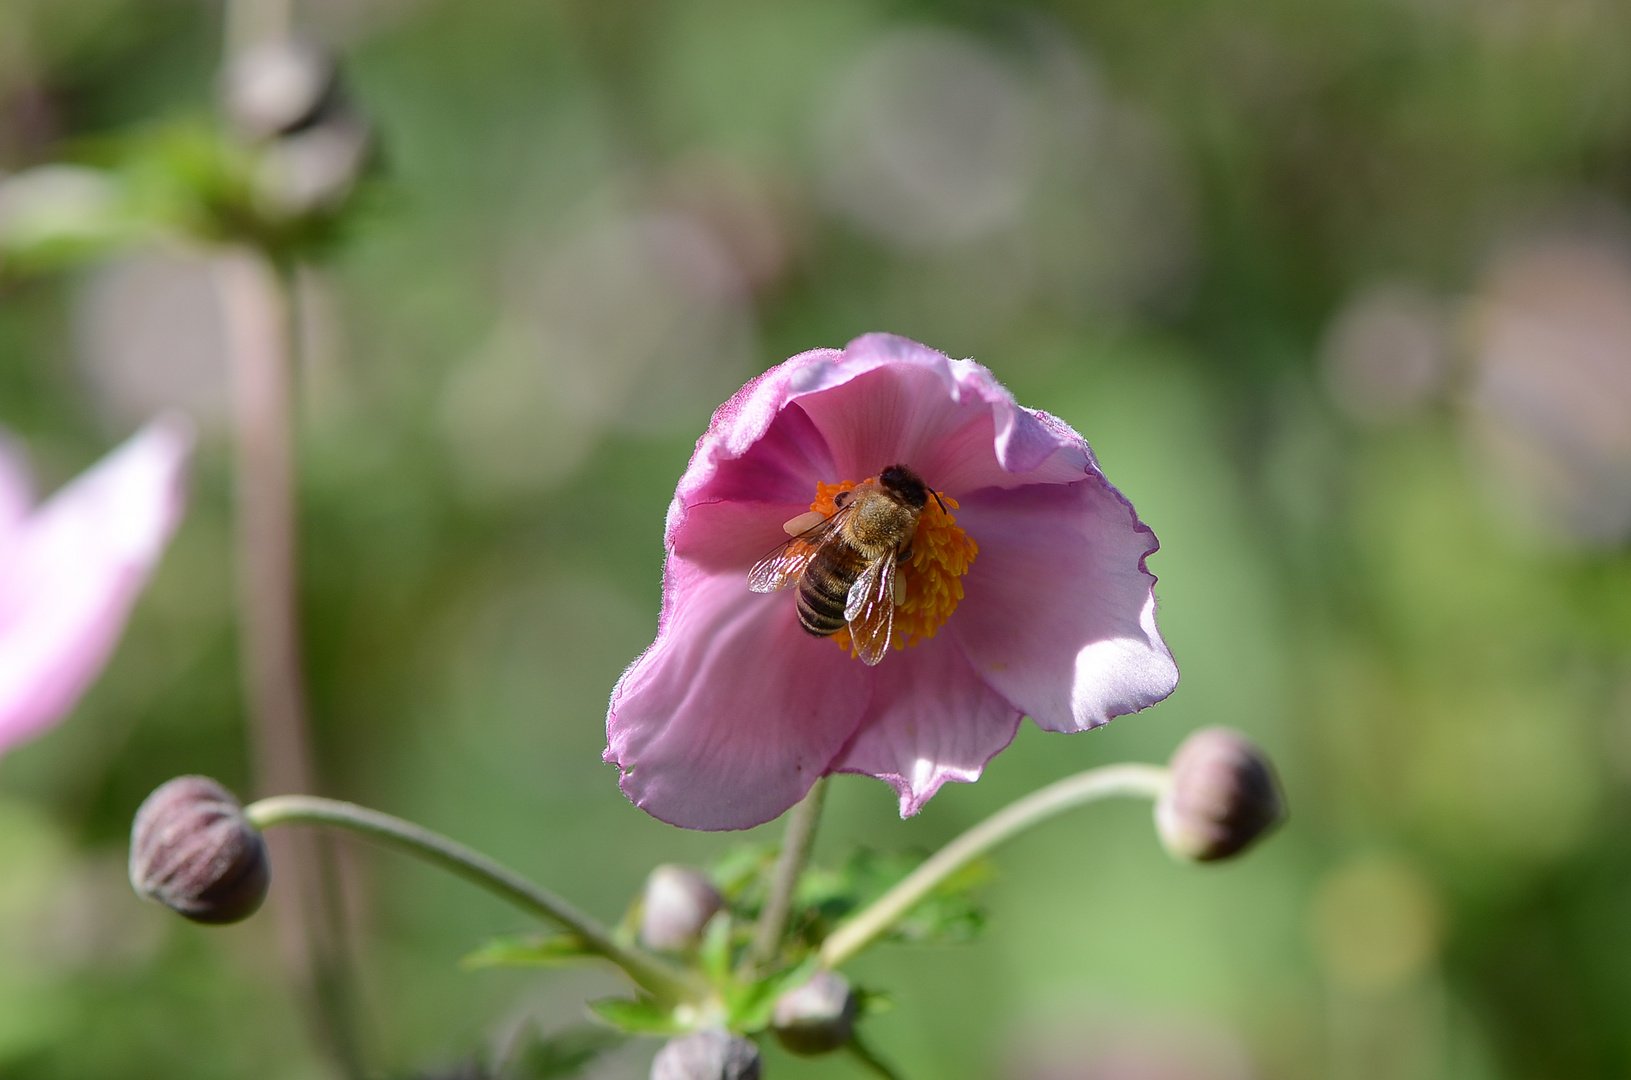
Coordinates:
249	22
784	879
255	310
658	977
858	932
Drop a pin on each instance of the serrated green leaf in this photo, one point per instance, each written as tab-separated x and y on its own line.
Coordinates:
939	920
530	950
946	916
639	1016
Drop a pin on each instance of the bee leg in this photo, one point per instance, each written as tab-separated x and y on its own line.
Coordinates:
897	589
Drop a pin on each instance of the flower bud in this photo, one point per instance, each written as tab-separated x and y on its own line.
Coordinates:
278	86
707	1055
1223	796
192	850
676	907
817	1017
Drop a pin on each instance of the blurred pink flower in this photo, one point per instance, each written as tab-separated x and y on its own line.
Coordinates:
71	568
730	716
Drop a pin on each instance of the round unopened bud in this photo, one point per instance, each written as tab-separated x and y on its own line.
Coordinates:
676	907
707	1055
278	86
1223	796
315	168
817	1017
193	851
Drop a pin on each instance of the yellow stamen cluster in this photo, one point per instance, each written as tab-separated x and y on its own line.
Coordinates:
941	554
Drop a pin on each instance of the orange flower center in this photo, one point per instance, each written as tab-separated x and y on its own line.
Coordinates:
941	554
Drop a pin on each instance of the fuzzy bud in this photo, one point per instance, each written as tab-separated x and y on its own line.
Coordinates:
707	1055
817	1017
278	86
1223	796
192	850
676	907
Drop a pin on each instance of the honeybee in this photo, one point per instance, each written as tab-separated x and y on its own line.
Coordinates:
844	565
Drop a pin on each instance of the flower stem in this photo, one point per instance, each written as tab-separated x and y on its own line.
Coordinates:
310	909
796	844
858	932
651	973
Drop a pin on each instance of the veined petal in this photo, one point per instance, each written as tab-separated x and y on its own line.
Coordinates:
73	571
828	416
932	719
1059	613
949	420
734	711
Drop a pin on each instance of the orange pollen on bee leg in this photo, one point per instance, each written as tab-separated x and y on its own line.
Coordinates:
941	555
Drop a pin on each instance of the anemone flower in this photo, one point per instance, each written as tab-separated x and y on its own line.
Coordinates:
71	568
1024	593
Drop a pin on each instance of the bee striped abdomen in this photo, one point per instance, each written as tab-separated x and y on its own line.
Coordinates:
823	588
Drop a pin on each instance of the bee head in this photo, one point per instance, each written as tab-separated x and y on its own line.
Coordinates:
906	485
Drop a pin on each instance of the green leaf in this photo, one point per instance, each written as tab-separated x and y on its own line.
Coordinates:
714	953
529	950
946	916
564	1054
641	1016
748	1006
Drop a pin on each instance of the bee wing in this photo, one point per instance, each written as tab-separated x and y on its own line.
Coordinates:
870	610
788	559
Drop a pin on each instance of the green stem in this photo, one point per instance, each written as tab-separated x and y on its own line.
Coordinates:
859	931
651	973
796	844
870	1061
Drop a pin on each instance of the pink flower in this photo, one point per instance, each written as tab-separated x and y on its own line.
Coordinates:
735	710
71	568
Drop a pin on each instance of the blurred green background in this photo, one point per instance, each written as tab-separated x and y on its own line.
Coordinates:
1339	292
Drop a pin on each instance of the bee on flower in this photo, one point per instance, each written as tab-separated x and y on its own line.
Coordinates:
878	562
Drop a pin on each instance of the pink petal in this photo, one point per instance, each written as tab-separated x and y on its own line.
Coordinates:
755	449
73	571
734	711
932	719
830	416
1059	613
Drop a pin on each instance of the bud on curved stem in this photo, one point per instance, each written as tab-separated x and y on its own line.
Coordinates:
1223	796
655	975
196	850
710	1054
193	850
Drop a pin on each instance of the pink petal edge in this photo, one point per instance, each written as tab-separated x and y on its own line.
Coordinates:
1058	614
74	570
932	720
